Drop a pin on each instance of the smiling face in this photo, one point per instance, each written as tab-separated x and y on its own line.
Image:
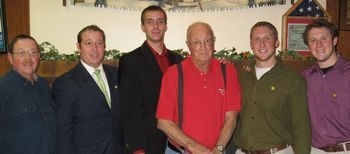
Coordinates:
322	46
25	57
91	48
154	25
264	43
200	42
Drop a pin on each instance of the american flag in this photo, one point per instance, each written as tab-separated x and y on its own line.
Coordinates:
308	8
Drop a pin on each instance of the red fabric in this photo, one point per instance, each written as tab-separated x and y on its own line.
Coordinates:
205	100
162	59
139	151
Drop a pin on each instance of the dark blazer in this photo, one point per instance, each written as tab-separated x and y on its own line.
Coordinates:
139	83
86	124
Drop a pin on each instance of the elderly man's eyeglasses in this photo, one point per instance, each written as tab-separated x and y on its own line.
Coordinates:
197	43
24	53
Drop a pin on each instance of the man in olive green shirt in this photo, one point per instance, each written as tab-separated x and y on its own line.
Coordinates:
274	116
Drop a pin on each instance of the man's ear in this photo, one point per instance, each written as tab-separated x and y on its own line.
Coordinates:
277	43
9	57
143	28
78	47
335	41
166	27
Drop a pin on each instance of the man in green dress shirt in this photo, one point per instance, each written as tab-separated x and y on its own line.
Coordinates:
274	116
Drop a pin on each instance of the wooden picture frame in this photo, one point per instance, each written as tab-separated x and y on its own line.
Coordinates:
3	30
293	29
344	15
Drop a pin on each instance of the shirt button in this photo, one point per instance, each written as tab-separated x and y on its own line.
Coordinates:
334	95
205	87
253	117
254	102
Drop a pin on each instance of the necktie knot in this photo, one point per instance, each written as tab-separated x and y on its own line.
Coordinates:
97	71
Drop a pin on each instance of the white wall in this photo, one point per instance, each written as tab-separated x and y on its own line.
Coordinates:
51	21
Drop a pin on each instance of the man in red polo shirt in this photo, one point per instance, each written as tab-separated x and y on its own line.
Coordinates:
209	109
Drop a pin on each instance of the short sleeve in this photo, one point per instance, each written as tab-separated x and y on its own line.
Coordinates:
167	103
233	93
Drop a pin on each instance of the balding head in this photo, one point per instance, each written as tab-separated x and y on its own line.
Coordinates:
199	26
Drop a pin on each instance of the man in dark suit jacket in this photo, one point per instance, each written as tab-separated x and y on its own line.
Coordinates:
140	75
88	116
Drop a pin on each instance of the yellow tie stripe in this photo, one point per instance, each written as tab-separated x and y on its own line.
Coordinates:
102	86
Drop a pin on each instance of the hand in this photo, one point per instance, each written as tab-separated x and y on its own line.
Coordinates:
215	151
200	149
140	151
247	68
224	61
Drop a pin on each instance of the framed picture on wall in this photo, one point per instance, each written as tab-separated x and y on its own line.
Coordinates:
3	33
293	30
344	15
293	35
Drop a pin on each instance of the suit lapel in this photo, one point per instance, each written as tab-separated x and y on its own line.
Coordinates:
89	84
83	73
150	60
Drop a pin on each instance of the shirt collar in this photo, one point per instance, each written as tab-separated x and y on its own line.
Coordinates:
279	64
196	70
155	53
338	64
90	69
19	77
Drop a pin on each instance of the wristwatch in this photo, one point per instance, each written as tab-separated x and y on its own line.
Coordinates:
220	148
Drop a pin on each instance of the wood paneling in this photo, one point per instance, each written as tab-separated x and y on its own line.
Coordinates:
344	36
17	15
333	10
344	44
17	21
4	64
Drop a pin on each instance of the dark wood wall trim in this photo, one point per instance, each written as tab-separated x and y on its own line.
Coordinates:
17	20
344	37
17	15
332	9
